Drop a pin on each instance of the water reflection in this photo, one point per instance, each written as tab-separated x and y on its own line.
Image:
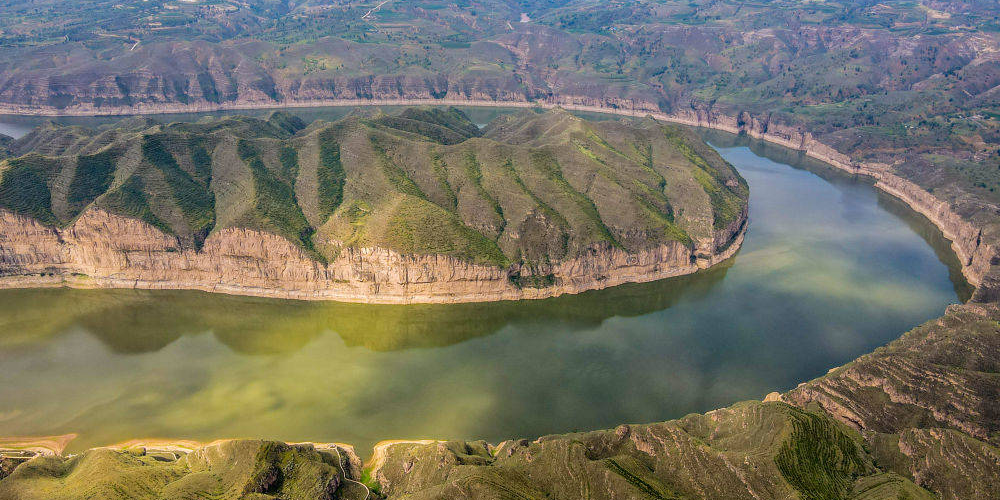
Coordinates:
892	205
140	321
829	270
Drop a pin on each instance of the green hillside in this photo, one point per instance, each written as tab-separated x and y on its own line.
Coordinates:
531	187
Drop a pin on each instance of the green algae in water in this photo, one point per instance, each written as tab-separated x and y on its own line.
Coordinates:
829	270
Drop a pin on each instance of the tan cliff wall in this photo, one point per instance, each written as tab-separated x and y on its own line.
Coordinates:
104	250
975	255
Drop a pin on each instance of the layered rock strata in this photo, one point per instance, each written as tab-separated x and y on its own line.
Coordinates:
106	250
927	403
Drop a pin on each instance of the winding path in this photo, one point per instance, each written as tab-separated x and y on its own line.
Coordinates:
340	461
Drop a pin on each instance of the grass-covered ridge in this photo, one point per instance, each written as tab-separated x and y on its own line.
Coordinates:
330	174
275	208
130	200
193	198
226	470
531	189
92	178
23	191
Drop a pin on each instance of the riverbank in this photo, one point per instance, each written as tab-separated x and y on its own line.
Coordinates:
690	434
791	433
966	238
102	250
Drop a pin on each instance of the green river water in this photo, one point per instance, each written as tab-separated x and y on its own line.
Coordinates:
830	269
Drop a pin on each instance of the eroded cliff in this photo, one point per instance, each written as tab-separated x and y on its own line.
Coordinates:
105	250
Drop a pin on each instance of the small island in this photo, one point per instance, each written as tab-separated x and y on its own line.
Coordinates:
417	206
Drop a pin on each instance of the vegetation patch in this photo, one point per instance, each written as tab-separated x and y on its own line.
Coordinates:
533	280
625	467
193	198
275	208
129	200
546	162
289	159
475	173
442	175
726	204
432	131
665	219
549	212
370	481
91	179
418	226
202	161
819	459
330	173
396	175
24	192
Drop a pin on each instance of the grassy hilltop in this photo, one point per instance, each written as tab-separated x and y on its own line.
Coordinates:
531	188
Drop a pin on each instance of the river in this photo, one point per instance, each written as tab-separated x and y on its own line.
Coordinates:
830	269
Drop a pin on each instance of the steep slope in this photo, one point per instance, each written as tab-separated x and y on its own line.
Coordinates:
927	402
917	416
418	206
5	142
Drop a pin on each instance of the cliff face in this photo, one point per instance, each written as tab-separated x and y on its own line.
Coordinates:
967	225
976	251
105	250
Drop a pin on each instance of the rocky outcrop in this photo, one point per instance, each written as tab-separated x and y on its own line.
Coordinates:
750	451
101	249
923	412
